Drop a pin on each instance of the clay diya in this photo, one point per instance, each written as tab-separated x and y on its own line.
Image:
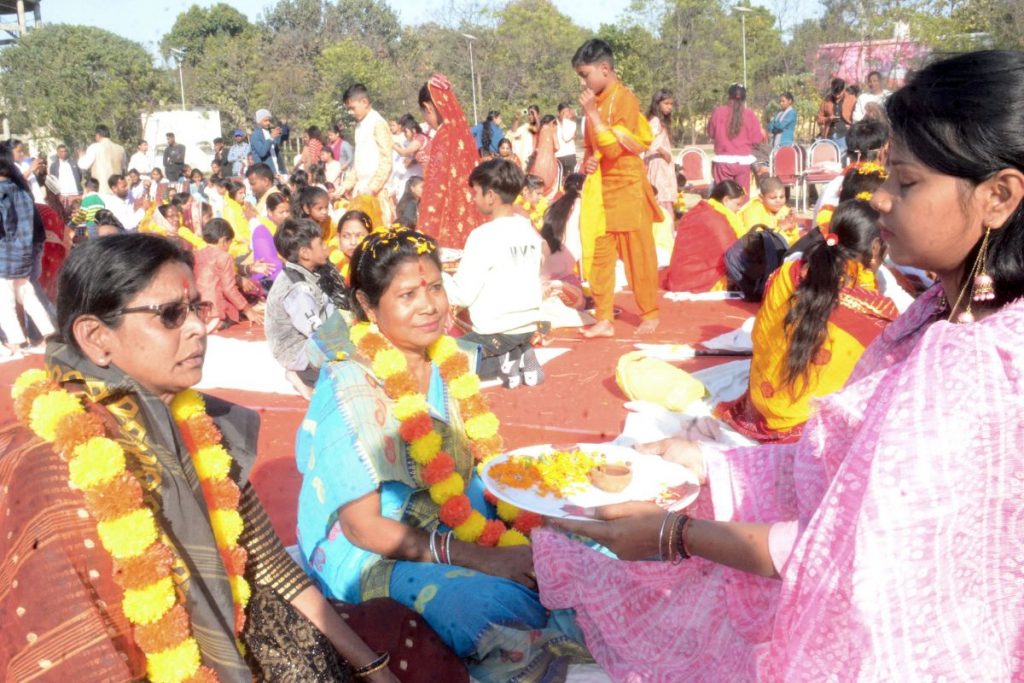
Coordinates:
612	477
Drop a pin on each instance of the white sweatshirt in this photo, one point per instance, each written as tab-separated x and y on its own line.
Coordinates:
498	278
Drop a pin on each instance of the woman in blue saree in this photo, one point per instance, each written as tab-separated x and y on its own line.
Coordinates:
368	525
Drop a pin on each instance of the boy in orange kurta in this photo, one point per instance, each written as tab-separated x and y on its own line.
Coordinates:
616	137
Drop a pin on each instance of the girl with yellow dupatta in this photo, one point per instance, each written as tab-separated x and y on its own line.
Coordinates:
818	316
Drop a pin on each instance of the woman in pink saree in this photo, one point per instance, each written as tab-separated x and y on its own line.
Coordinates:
447	212
886	543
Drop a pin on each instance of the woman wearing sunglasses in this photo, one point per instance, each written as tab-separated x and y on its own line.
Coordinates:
153	534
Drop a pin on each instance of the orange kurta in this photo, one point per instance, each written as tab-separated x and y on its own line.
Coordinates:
630	205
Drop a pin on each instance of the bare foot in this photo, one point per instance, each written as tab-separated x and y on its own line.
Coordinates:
603	328
647	327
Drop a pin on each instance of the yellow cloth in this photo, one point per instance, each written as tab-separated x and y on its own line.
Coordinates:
734	221
756	213
534	211
655	381
592	218
235	216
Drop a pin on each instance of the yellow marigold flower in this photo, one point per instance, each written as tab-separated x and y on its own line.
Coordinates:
240	590
512	537
389	362
212	462
128	535
96	462
227	527
27	379
482	426
187	404
146	605
442	349
507	511
174	664
471	529
358	331
406	406
424	449
465	386
448	488
49	409
866	196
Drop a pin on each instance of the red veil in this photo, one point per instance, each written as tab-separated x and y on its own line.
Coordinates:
447	212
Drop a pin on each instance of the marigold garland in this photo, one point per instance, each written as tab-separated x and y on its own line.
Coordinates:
447	487
127	528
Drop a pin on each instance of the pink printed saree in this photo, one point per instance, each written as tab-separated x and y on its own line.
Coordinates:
902	557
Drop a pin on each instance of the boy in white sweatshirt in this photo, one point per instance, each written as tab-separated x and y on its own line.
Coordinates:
498	278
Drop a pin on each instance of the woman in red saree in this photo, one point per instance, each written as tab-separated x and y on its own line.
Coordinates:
543	163
447	212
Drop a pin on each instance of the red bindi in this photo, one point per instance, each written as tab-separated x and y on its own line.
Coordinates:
423	283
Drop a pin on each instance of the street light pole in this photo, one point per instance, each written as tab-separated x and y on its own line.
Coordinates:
743	27
472	73
179	52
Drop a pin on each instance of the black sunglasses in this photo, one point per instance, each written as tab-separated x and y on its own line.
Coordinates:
173	313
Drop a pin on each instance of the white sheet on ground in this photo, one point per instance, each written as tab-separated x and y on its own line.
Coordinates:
737	340
650	422
702	296
244	365
558	314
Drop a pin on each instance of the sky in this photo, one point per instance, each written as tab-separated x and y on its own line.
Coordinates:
146	21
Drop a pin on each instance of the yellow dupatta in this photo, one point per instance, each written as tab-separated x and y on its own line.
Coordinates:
734	220
592	216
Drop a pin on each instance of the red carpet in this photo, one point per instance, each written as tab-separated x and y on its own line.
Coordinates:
578	400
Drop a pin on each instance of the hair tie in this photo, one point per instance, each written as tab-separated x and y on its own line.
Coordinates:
832	240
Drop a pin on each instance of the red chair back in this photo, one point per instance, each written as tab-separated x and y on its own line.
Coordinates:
785	164
694	164
824	151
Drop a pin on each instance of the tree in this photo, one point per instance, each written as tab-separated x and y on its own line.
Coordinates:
194	27
347	63
64	80
511	74
230	77
636	59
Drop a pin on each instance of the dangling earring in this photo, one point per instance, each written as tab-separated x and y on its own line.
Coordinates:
984	288
981	284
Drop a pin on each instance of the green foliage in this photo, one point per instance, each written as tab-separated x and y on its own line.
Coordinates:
66	80
197	25
346	63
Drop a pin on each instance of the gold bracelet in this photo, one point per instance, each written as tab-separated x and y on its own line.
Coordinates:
373	667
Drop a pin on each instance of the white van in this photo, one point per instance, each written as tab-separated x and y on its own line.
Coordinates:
194	128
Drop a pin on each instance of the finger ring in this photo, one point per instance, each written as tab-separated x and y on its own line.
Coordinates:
532	575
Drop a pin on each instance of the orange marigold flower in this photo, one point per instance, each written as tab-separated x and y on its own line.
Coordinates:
400	384
23	404
234	560
116	498
515	475
148	568
454	366
474	405
371	344
416	427
203	430
239	618
166	632
221	494
490	497
525	522
438	469
455	511
491	534
76	429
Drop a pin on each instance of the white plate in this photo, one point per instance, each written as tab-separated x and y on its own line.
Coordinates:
670	485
